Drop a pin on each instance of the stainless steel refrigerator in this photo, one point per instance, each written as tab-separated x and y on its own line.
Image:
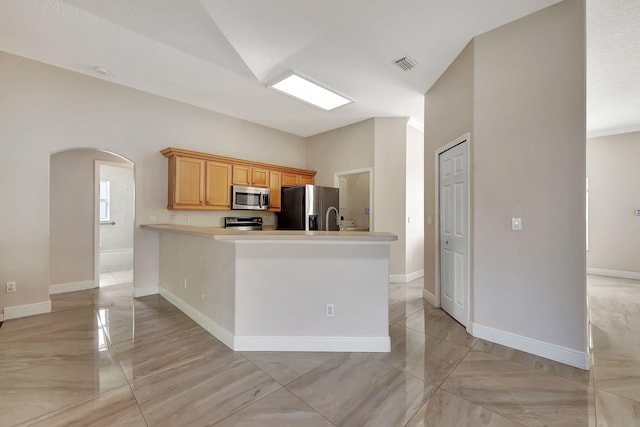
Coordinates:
305	208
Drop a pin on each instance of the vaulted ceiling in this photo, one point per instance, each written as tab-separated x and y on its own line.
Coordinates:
222	54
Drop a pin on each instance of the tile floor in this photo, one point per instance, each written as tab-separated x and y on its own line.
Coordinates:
101	358
109	278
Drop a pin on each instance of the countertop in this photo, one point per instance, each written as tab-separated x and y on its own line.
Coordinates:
219	233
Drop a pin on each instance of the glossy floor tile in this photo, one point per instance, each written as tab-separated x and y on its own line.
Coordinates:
109	278
358	390
203	391
278	409
51	361
70	300
446	409
615	316
515	391
534	362
429	358
614	410
285	367
113	408
103	358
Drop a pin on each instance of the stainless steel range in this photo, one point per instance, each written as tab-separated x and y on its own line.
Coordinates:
243	223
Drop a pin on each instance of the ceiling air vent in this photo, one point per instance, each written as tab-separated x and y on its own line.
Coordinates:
406	63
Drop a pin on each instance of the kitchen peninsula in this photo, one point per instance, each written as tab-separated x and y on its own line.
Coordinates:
280	290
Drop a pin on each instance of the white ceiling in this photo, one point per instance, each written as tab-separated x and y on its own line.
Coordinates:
221	54
613	66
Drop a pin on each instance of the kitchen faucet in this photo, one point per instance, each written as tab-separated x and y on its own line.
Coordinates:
326	222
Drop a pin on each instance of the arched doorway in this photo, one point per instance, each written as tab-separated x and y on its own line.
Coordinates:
74	212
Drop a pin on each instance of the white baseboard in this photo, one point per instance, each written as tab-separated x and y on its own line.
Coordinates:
27	310
298	343
212	327
116	260
578	359
143	292
405	278
71	287
614	273
429	297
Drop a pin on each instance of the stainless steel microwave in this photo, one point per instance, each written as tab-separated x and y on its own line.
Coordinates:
252	198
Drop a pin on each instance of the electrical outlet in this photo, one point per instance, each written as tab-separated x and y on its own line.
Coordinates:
154	219
330	310
11	286
186	218
516	224
172	219
184	282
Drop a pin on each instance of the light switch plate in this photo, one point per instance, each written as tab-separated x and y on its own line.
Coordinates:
516	224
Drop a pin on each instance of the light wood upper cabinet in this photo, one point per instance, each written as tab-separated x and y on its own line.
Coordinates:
189	181
259	177
199	184
218	185
250	176
274	185
201	181
290	179
306	179
293	179
241	175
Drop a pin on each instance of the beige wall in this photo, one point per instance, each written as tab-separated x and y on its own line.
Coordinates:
415	200
528	160
389	183
614	196
380	143
339	150
71	214
45	110
448	115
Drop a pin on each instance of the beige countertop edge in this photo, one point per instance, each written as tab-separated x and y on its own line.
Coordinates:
227	234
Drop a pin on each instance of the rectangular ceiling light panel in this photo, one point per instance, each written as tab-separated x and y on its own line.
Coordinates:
307	91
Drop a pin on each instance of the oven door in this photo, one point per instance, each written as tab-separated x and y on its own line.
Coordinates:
251	198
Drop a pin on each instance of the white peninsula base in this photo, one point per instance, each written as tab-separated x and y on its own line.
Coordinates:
269	291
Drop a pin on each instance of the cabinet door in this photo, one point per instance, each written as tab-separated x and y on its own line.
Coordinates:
241	175
290	179
218	185
189	181
305	179
259	177
274	186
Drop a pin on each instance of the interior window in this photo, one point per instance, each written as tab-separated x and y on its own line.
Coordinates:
105	211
